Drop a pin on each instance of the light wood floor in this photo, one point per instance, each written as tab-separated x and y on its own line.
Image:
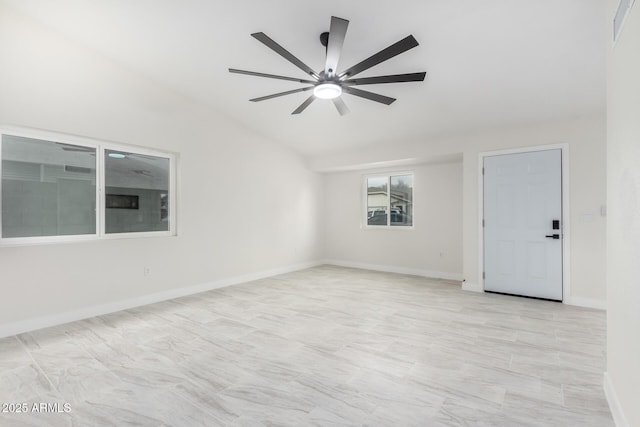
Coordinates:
326	346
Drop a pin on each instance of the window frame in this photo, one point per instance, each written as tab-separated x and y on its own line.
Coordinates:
100	146
388	176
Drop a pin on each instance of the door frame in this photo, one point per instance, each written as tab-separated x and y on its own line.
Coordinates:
566	226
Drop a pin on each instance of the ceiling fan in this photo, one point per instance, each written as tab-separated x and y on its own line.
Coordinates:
329	83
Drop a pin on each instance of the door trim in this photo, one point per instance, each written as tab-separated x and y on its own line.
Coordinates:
566	226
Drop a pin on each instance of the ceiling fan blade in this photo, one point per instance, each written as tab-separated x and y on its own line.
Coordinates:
262	37
368	95
397	48
341	106
304	105
396	78
275	95
270	76
337	33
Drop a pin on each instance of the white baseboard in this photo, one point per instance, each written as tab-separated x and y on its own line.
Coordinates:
395	269
14	328
472	287
614	403
586	302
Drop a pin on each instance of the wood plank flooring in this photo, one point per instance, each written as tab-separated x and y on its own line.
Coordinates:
327	346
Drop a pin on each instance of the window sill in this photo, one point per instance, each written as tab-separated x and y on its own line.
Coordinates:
57	240
388	227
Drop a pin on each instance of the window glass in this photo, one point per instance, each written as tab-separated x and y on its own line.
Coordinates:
136	192
48	188
377	200
401	200
390	200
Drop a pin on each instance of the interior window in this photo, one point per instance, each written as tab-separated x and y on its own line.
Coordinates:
54	191
48	188
136	192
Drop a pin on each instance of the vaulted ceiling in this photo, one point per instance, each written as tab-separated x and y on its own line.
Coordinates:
489	63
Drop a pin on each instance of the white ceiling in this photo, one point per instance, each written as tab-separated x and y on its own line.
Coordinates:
489	63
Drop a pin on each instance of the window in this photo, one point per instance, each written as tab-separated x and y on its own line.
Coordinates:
136	190
390	200
48	188
65	188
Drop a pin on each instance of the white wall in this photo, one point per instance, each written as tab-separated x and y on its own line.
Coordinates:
246	204
623	243
437	219
586	139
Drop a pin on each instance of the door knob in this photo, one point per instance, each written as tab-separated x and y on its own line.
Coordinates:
552	236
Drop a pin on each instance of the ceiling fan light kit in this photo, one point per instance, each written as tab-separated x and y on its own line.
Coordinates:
327	91
328	83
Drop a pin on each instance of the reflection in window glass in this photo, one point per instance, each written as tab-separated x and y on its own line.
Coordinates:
390	200
136	192
377	200
402	200
48	188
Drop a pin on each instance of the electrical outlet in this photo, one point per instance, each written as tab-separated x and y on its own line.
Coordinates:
147	271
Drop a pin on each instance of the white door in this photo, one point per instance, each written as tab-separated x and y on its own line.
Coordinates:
523	224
